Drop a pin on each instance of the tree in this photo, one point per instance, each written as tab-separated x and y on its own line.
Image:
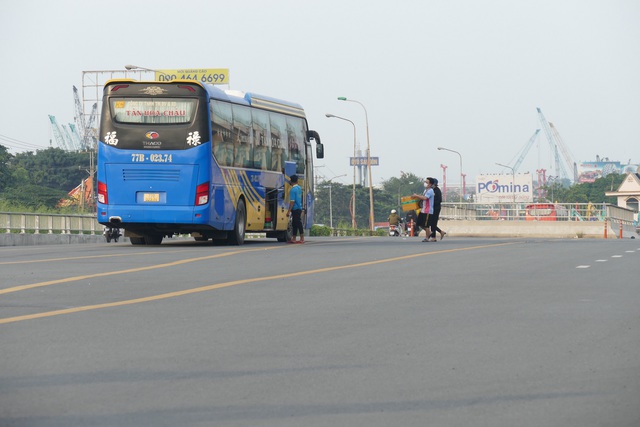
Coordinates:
34	196
42	178
54	167
6	179
585	192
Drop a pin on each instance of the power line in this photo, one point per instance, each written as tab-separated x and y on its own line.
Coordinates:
17	144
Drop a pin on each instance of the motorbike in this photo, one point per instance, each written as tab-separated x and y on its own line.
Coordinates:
111	234
395	230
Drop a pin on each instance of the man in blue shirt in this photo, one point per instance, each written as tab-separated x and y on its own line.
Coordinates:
295	209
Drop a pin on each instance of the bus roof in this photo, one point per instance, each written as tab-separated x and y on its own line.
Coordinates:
257	101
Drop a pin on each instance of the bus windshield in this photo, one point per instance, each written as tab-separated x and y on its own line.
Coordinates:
153	116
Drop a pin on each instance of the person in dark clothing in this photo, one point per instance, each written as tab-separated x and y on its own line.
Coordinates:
412	216
437	206
295	209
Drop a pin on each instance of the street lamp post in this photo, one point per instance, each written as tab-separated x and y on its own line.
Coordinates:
461	177
330	204
353	191
513	179
366	118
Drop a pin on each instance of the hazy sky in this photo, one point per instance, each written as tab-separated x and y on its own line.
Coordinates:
463	74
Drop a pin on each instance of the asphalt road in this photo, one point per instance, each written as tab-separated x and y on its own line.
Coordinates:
336	332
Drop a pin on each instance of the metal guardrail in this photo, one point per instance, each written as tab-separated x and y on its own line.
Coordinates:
34	223
16	222
538	212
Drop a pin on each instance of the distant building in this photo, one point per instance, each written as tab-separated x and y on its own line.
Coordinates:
628	193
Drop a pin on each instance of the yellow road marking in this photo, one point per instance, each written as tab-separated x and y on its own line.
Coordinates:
130	270
226	284
74	258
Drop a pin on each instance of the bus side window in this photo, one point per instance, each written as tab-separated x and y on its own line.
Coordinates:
296	137
278	125
218	145
243	136
276	159
221	128
262	140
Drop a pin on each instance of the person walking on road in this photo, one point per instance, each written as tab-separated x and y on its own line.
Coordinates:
427	209
437	206
295	209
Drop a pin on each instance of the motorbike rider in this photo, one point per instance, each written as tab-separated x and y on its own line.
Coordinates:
394	219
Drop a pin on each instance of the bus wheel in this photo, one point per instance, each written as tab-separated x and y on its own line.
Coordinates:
236	237
286	235
201	239
153	239
137	240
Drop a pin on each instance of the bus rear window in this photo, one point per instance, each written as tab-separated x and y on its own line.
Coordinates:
153	110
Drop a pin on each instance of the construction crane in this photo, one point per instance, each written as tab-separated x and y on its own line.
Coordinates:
525	150
565	152
79	119
556	143
91	131
75	137
86	128
57	133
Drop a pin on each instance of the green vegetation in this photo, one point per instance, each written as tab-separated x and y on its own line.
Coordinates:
593	192
37	181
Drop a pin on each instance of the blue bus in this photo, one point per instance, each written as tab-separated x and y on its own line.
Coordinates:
182	157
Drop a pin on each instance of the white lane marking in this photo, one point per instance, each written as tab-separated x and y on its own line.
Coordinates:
583	266
616	256
601	260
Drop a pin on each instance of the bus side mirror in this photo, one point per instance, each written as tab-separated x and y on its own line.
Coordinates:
312	134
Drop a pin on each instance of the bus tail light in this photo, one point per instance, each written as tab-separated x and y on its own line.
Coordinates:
202	194
102	193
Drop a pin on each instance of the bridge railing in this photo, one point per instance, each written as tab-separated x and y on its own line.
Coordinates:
537	212
35	223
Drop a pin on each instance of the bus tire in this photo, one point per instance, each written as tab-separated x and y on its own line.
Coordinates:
236	237
287	235
137	240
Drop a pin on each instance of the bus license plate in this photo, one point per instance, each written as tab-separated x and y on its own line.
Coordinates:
151	197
